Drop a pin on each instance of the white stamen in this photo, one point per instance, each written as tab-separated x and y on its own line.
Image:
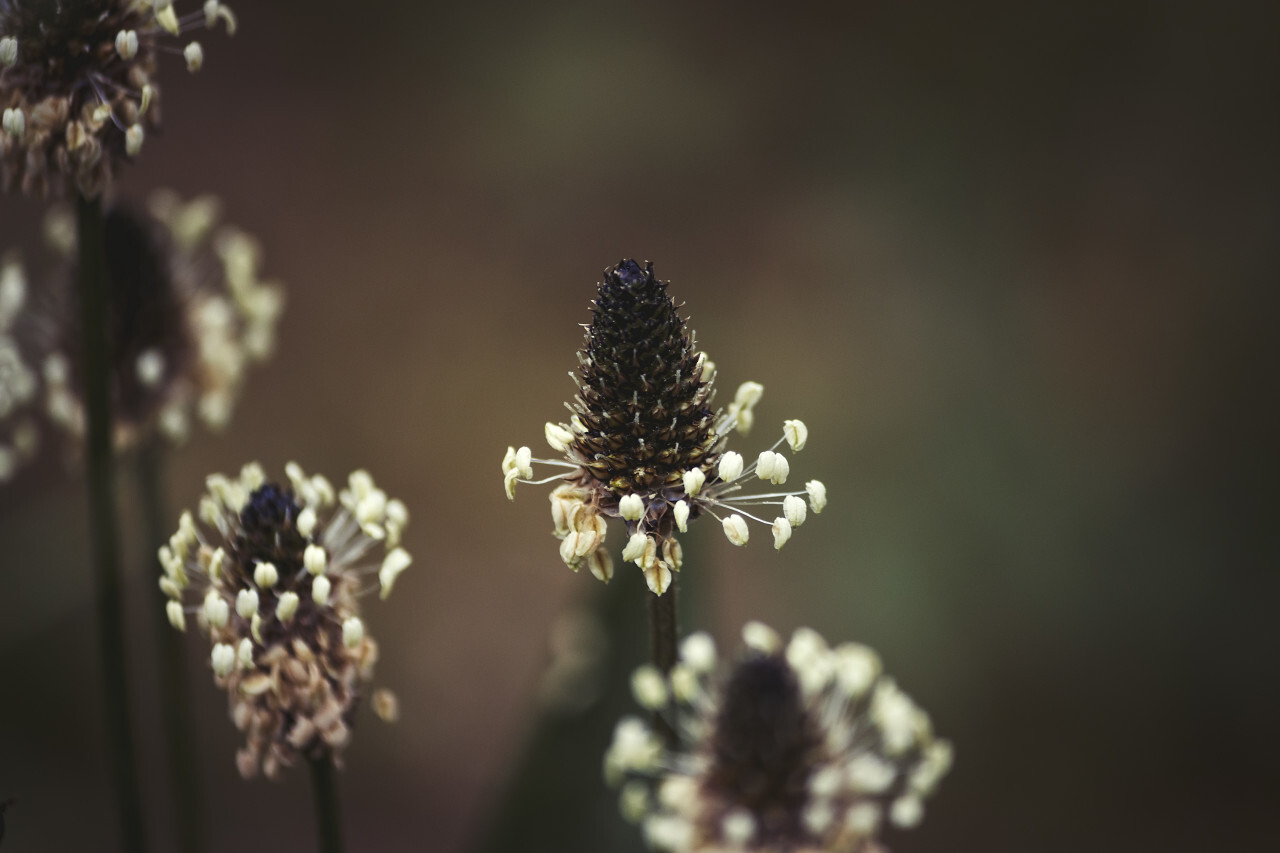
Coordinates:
682	516
320	590
352	632
223	658
781	533
693	480
796	433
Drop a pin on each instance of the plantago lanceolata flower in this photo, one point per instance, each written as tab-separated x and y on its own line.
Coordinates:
77	85
802	748
643	443
187	315
273	574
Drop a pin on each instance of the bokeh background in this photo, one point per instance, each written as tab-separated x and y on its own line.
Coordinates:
1014	264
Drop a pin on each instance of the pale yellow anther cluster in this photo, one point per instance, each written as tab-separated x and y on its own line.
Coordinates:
581	530
280	603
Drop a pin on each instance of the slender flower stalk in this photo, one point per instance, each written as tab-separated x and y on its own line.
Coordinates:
175	702
324	794
103	520
277	572
801	747
643	443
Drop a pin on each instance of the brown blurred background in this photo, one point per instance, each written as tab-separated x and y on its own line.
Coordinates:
1014	264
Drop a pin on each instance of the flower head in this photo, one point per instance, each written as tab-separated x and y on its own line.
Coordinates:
798	748
187	315
77	85
273	574
643	443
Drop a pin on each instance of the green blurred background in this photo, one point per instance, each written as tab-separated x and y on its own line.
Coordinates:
1014	265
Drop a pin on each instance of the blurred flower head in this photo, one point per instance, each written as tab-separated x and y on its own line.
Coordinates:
643	443
187	315
273	575
795	748
77	85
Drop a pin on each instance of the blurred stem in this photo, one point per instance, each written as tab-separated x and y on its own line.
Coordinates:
103	525
324	791
175	699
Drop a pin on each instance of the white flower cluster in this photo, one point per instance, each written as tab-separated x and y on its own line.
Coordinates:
276	573
802	747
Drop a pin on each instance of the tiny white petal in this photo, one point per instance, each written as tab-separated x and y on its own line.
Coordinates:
760	637
524	462
314	559
730	466
772	467
247	603
631	507
217	561
600	564
748	394
287	606
797	435
658	577
8	51
682	516
817	495
320	590
698	651
306	522
194	55
133	138
166	17
223	658
649	687
127	44
635	547
265	575
735	529
177	618
392	565
352	632
738	827
216	610
795	509
906	811
693	480
781	532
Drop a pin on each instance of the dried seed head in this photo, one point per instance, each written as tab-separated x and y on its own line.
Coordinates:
798	748
294	654
188	314
80	75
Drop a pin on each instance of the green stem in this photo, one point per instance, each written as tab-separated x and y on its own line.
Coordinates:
175	699
324	791
664	638
103	525
663	634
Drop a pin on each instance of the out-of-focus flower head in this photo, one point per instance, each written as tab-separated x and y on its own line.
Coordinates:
78	87
799	747
273	575
188	313
643	443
